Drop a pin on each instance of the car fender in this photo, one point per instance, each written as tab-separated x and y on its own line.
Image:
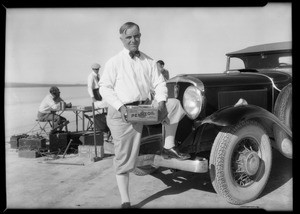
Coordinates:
234	114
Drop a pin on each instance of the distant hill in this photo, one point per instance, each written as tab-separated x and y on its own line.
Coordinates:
15	84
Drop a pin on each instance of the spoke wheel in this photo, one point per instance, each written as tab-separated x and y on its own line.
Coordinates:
240	162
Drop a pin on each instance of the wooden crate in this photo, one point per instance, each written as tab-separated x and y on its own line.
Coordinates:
88	151
31	143
15	140
28	154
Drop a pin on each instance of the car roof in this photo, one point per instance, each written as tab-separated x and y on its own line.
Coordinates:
270	47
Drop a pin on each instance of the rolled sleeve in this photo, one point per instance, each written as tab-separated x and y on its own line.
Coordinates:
159	85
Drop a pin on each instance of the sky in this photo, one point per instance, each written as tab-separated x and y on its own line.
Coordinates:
59	45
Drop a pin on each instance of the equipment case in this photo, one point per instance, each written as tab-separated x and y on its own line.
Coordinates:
32	142
58	141
15	139
87	138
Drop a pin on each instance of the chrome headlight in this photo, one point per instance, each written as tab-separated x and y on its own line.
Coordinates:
192	101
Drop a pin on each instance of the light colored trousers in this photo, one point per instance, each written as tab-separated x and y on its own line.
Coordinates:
127	136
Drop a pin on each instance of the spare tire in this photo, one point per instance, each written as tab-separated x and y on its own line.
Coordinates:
283	110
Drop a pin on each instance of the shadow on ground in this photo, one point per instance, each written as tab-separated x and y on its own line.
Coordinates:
178	182
281	173
181	181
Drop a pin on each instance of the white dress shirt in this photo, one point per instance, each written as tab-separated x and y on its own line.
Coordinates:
92	83
48	104
125	80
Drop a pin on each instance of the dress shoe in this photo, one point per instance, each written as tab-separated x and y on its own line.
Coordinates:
126	205
174	153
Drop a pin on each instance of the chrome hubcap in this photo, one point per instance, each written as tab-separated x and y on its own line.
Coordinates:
251	163
245	162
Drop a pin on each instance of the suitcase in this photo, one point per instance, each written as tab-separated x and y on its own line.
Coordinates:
58	141
87	138
14	140
75	137
32	142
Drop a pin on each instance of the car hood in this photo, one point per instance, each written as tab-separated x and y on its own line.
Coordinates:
235	78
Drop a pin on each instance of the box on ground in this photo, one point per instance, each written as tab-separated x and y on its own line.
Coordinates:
58	141
15	140
142	114
32	142
88	151
28	154
109	148
87	138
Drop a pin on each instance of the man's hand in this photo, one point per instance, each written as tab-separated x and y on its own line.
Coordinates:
94	100
162	111
123	111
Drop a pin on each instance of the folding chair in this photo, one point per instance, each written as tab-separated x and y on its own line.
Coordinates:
44	126
90	127
62	125
90	124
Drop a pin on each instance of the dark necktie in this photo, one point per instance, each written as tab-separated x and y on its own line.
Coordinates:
134	53
98	79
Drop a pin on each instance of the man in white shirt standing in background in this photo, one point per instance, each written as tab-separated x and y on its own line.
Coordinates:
92	83
93	90
127	79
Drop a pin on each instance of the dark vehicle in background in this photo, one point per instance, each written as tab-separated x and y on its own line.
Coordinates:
233	120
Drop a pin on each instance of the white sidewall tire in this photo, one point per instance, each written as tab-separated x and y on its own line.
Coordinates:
283	110
221	160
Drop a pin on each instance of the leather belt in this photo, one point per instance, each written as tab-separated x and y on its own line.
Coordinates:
136	103
101	111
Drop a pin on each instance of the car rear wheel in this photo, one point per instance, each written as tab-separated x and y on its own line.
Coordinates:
240	162
283	110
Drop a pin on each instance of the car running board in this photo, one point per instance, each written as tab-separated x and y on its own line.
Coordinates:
199	165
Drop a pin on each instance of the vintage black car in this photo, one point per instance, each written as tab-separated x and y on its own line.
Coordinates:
233	120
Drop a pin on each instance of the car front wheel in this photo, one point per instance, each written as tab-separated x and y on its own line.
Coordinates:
240	162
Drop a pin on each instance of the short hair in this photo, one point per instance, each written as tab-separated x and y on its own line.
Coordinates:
127	25
161	62
54	90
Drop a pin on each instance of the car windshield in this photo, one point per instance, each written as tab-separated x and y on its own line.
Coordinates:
261	61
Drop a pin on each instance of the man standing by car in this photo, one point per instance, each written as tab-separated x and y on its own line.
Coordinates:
163	71
127	79
92	83
93	90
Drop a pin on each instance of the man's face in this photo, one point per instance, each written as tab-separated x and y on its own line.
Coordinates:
96	70
131	38
56	94
159	66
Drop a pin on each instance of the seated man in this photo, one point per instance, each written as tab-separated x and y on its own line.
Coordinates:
53	102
